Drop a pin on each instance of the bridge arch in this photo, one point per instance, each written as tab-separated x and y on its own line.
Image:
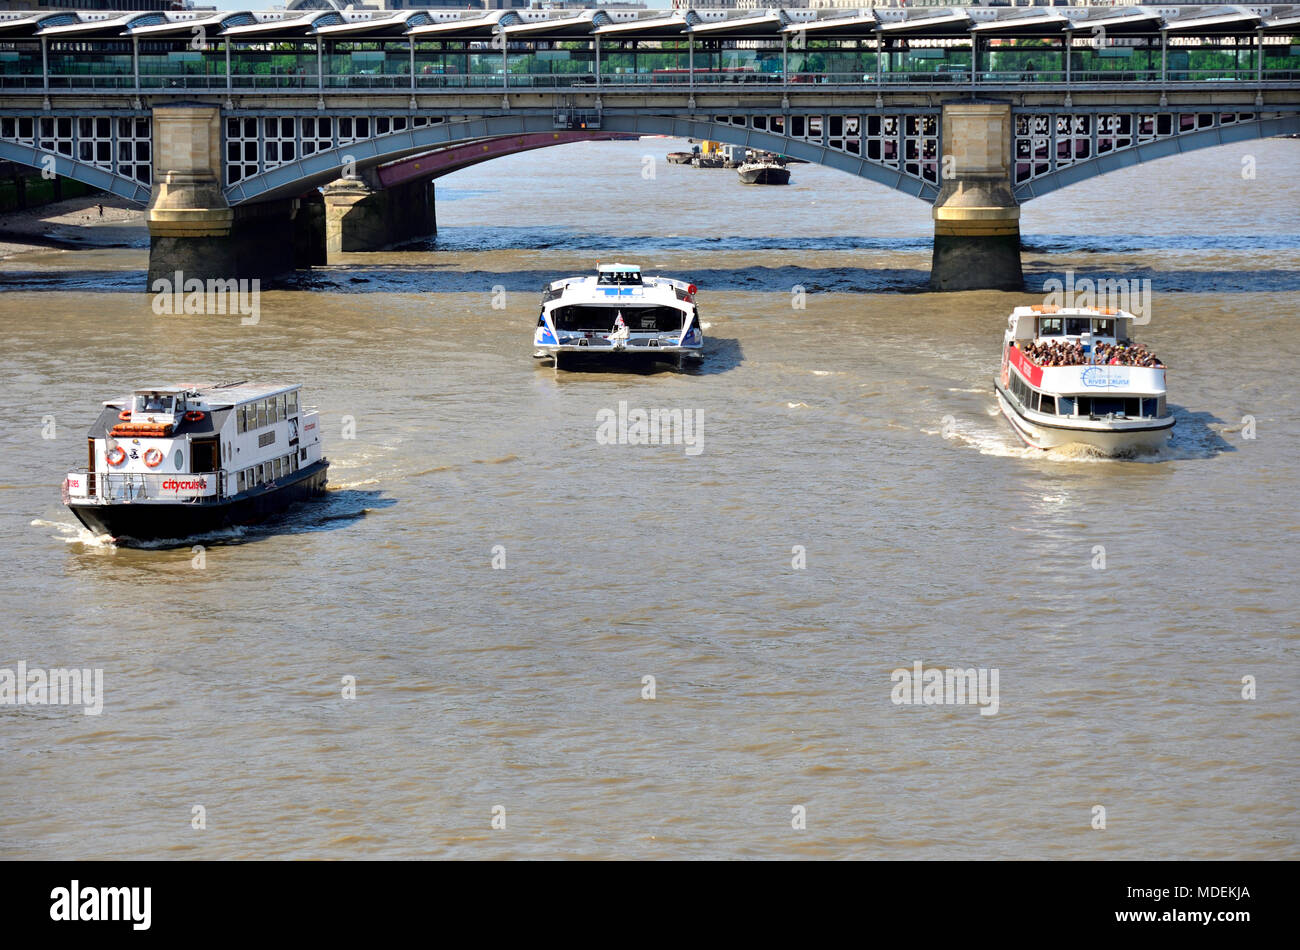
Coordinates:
1177	144
292	178
84	172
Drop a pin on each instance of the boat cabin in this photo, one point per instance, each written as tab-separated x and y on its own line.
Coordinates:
618	275
225	439
1080	362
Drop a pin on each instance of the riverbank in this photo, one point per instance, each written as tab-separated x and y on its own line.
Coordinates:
87	221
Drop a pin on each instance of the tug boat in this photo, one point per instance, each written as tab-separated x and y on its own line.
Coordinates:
171	462
764	170
619	314
1073	375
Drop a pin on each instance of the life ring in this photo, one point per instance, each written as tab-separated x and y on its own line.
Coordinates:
120	454
156	455
124	415
195	416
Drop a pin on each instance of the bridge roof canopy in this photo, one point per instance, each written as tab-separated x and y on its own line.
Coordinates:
477	27
922	22
29	26
382	24
659	27
184	24
305	24
99	28
1132	20
857	24
1288	22
1218	20
1037	22
953	21
578	25
767	23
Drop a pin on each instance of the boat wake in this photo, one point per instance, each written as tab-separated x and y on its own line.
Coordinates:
75	533
335	508
995	438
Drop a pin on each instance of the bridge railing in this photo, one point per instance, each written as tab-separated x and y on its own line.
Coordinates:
672	79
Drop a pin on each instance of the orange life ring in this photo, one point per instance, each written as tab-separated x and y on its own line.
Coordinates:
195	416
124	415
119	452
157	456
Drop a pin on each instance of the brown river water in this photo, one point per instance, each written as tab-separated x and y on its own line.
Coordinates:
859	434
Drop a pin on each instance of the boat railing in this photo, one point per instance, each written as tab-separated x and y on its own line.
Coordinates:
108	488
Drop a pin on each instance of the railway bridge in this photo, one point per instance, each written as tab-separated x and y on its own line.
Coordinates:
263	141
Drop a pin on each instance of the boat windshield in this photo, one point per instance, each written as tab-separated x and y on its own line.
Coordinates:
152	402
602	319
614	277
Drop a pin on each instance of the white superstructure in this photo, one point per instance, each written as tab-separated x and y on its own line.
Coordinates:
198	443
1074	375
618	312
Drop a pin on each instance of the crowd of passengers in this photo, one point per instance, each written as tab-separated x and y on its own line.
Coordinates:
1072	354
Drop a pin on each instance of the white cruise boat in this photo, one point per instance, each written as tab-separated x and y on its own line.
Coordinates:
1073	375
170	462
618	313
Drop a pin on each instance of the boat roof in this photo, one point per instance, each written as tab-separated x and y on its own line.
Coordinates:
1047	310
217	393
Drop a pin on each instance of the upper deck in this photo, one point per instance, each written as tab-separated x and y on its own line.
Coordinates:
198	397
619	285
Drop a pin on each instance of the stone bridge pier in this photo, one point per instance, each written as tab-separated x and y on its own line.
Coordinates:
193	230
976	217
362	215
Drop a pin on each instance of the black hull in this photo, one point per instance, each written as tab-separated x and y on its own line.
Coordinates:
642	358
142	521
766	176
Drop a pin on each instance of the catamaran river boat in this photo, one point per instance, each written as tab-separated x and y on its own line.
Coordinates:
619	314
1074	375
176	461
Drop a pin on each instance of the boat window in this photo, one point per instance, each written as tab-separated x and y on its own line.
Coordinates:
1103	405
241	481
1065	405
239	419
291	402
261	413
601	319
1103	327
279	409
1149	406
153	402
1075	326
612	277
1049	326
1047	403
302	454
